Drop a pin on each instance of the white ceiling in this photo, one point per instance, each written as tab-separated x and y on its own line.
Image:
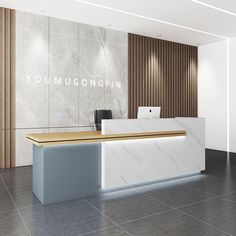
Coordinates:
172	19
229	5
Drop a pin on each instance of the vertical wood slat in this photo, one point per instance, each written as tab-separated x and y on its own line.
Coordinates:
162	73
7	88
2	85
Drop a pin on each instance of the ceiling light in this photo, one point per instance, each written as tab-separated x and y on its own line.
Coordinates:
148	18
213	7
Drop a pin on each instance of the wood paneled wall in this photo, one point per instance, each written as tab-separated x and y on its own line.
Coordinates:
7	88
162	73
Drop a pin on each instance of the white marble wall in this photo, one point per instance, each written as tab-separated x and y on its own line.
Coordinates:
31	59
47	48
63	62
91	66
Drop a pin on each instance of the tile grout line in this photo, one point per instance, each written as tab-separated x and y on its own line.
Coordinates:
197	188
18	186
115	224
204	222
158	213
193	203
86	201
8	211
210	198
98	230
119	224
125	222
22	219
147	216
225	194
125	230
191	216
30	206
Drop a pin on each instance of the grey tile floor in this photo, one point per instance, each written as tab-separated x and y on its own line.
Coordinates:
197	205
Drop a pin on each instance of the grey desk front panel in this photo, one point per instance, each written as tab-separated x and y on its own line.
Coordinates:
66	172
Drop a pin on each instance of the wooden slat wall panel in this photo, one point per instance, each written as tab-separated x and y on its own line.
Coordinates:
7	88
162	73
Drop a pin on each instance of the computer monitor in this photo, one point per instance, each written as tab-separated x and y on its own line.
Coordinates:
149	112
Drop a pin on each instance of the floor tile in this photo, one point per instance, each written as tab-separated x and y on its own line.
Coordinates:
16	170
2	186
172	223
215	159
218	164
114	231
6	202
230	196
18	177
11	224
23	196
77	217
65	218
220	212
211	184
225	171
126	205
175	194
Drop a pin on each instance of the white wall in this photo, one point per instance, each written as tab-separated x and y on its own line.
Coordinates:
212	93
232	95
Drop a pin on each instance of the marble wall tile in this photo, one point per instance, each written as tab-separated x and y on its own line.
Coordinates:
63	64
116	37
86	128
62	130
72	129
24	148
91	68
91	32
116	71
31	21
63	27
48	47
31	67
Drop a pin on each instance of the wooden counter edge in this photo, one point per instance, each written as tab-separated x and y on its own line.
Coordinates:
106	138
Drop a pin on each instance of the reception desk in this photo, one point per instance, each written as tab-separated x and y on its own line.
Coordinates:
125	153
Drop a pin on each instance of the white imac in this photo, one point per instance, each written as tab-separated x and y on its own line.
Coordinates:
149	112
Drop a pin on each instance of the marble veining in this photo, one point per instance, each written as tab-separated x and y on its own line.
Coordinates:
119	126
31	58
139	161
49	48
63	54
